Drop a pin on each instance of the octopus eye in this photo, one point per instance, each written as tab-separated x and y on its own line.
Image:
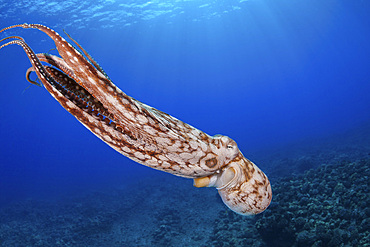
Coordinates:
230	146
211	163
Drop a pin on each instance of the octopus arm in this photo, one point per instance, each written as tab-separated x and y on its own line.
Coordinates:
134	129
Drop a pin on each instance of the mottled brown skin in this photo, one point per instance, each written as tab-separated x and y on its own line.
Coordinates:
142	133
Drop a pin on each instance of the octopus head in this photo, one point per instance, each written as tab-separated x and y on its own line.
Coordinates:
243	187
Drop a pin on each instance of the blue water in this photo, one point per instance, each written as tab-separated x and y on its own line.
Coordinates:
266	73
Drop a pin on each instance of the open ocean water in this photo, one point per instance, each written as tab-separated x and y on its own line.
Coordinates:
288	80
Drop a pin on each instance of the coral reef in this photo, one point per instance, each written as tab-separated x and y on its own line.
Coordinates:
231	229
169	225
322	200
76	222
323	207
327	206
138	215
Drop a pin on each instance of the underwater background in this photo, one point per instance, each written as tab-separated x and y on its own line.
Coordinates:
288	80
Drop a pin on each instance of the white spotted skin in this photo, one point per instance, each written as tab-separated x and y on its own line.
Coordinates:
145	134
249	191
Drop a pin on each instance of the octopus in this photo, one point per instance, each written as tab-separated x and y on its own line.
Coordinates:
140	132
